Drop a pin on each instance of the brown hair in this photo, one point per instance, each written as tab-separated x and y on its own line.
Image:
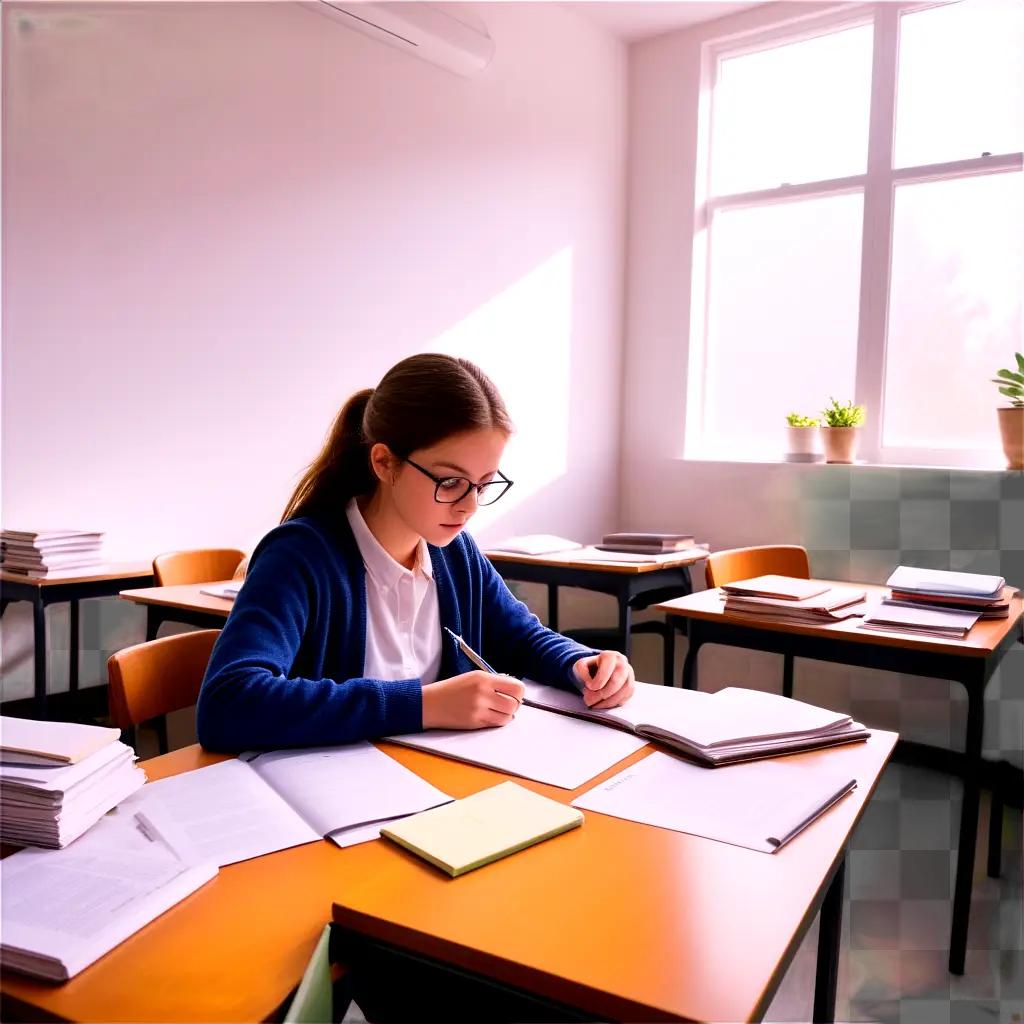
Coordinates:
420	401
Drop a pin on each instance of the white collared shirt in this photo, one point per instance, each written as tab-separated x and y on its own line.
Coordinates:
403	620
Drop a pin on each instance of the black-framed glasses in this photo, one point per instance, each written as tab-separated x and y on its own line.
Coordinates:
450	490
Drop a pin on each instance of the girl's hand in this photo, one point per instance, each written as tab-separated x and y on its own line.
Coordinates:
606	680
473	700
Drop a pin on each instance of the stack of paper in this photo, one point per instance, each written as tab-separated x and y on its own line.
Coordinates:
63	909
986	596
57	779
42	553
534	544
713	729
920	620
482	828
803	602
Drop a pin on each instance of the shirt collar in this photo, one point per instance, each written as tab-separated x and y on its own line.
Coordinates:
384	570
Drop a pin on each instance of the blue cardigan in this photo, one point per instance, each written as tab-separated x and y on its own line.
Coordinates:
287	669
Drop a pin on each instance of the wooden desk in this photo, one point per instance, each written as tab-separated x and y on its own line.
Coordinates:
183	603
614	917
625	581
969	662
74	586
623	921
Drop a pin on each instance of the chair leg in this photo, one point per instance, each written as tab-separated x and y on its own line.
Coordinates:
128	737
995	832
160	724
787	675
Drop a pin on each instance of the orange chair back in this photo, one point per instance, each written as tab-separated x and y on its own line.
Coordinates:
745	563
163	675
204	565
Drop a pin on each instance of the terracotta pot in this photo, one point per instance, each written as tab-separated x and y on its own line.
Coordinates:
1011	426
840	443
802	440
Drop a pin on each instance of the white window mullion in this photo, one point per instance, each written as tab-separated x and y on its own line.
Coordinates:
876	247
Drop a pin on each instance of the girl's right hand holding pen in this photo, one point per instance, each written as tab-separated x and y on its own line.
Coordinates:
473	700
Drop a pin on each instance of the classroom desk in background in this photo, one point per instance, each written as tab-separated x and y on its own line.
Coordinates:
625	581
73	586
970	662
615	919
183	603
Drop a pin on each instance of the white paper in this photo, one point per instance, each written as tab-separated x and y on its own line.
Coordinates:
538	745
63	909
340	787
944	582
743	805
55	778
225	590
226	811
534	544
64	742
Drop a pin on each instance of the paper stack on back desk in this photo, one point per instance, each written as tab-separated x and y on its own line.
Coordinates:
57	779
796	601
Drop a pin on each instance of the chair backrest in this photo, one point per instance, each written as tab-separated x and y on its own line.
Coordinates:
313	1002
159	676
745	563
204	565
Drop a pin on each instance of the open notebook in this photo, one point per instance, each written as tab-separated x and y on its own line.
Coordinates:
713	729
259	803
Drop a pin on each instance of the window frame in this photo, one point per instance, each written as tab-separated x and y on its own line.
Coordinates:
877	185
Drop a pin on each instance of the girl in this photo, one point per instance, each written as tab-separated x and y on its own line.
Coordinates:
336	635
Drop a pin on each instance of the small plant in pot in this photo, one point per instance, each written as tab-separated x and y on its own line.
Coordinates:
842	423
1011	417
803	438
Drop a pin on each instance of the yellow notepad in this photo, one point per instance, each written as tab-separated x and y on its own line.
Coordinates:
478	829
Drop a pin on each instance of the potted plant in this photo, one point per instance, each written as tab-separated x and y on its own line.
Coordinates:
1011	417
803	438
840	431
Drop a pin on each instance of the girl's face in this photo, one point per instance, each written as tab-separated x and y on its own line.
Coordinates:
474	456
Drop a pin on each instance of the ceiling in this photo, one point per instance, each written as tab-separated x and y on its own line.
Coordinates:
637	19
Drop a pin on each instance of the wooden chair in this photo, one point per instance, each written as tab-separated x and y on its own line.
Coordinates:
203	565
151	679
745	563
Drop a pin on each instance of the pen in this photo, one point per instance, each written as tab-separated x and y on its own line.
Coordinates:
473	656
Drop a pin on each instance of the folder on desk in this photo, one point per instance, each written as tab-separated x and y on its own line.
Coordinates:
761	806
482	828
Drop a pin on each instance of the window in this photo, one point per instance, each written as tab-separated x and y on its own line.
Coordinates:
860	231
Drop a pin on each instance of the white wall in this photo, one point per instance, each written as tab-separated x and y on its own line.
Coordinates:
222	219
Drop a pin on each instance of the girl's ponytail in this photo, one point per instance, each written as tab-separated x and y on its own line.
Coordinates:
342	469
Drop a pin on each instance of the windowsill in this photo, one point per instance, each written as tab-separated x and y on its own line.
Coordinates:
994	467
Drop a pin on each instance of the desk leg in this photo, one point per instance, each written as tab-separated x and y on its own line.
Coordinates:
690	662
830	930
153	620
553	607
39	645
625	624
968	830
73	652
